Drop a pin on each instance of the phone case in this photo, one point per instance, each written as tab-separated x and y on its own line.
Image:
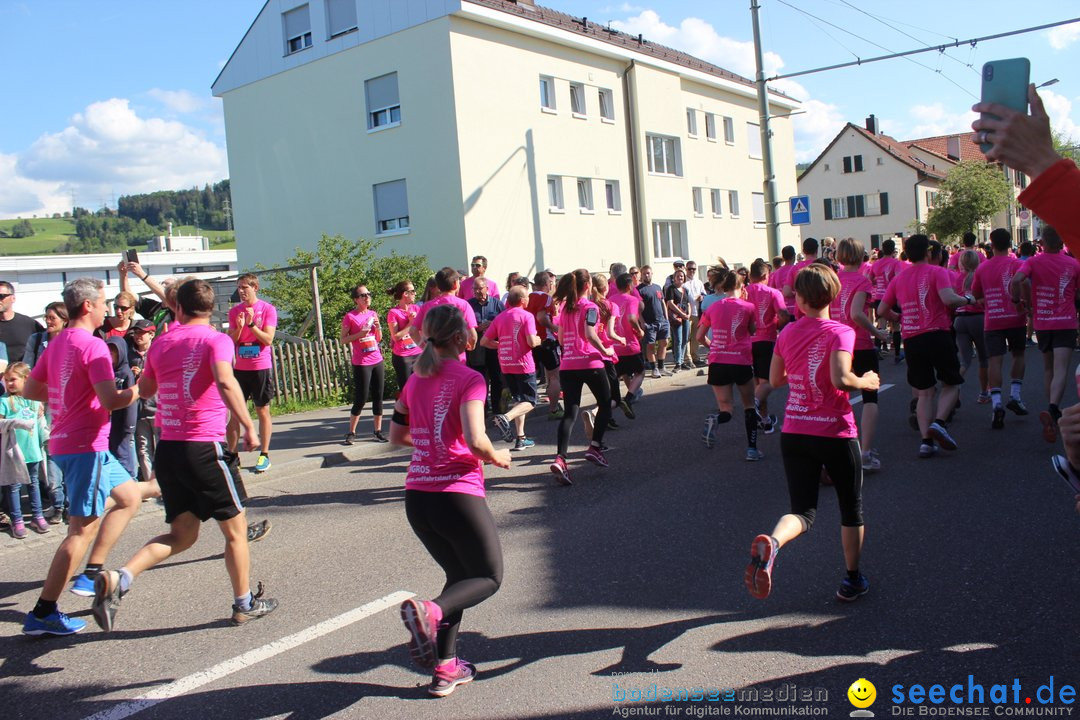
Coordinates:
1005	82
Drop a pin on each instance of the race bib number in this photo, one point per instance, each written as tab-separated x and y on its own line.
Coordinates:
368	344
248	351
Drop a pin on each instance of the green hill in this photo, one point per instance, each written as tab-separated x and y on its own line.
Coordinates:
49	234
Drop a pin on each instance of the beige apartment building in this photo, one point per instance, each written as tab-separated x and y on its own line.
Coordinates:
453	128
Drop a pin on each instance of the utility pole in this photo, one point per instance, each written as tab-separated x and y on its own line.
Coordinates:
772	228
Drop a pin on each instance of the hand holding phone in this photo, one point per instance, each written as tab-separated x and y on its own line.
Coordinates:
1004	82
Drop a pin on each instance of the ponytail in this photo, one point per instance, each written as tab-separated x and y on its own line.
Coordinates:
444	327
571	287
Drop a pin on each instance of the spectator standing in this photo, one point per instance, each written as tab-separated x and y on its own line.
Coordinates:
15	407
654	318
677	304
252	326
157	310
477	267
117	325
146	434
486	307
15	328
696	288
361	329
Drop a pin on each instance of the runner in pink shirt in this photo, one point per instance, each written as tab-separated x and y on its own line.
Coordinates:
1047	282
770	313
403	348
810	254
440	415
780	277
447	282
190	370
730	359
610	337
513	334
542	308
1004	323
252	326
968	324
924	294
629	365
968	243
813	356
360	328
882	272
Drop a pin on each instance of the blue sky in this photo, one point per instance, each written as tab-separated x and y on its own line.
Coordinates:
111	97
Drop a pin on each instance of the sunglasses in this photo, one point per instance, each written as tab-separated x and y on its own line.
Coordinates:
477	265
122	308
408	292
367	295
5	296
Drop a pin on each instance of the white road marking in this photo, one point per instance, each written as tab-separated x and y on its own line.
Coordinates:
881	389
185	685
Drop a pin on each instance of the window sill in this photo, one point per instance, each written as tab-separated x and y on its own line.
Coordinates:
549	111
585	211
717	216
387	126
614	212
391	233
691	136
754	157
699	215
297	52
734	217
607	121
353	29
664	175
556	211
579	116
730	142
712	140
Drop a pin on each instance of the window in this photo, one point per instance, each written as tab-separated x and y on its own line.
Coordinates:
584	195
555	197
547	93
852	206
391	208
853	163
835	208
607	105
384	108
872	204
611	191
729	131
881	161
714	197
669	239
733	202
192	269
691	122
699	209
340	16
753	139
577	99
664	155
931	198
297	25
759	208
710	126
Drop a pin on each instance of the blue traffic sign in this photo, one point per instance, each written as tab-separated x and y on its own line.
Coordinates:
800	210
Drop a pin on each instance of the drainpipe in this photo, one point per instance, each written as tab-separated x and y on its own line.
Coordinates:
642	250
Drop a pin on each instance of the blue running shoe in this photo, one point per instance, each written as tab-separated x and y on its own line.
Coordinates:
83	586
262	464
523	443
853	589
56	624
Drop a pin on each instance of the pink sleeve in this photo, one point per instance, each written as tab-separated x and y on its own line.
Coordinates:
889	299
475	388
844	341
470	317
221	349
98	363
942	279
530	324
1026	268
270	316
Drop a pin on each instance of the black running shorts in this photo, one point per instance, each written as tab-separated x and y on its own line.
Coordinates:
202	478
762	352
628	365
725	374
996	340
1053	339
862	362
931	356
257	386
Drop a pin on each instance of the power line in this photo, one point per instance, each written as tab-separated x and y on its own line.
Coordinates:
902	32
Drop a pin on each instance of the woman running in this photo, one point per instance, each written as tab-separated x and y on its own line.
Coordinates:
440	414
730	358
968	323
814	356
608	331
582	364
404	350
361	328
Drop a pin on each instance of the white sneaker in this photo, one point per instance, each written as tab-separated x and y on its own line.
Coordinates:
870	462
655	373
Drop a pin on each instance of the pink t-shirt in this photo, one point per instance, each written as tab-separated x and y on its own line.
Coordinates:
1053	290
814	405
882	272
954	258
628	307
462	305
401	319
365	349
441	461
729	320
601	329
784	275
577	352
264	316
73	363
959	279
767	302
916	290
852	282
512	329
992	279
465	290
189	405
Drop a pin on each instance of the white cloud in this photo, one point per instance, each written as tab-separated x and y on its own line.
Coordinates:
932	120
181	101
815	129
1063	36
106	150
1059	108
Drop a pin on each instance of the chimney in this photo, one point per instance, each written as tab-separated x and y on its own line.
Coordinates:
952	145
872	125
526	4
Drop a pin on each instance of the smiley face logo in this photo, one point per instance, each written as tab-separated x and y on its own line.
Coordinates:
862	693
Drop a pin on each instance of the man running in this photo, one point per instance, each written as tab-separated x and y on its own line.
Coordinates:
512	335
252	326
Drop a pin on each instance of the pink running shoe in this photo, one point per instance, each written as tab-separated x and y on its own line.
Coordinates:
758	577
454	673
560	471
421	618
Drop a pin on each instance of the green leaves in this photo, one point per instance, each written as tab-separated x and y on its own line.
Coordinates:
972	194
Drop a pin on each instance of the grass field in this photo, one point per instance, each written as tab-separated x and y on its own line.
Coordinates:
219	239
49	234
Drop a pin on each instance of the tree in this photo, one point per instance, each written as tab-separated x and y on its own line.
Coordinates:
972	193
22	229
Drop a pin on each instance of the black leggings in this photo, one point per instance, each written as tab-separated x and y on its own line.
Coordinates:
613	381
459	532
365	377
572	381
804	456
403	367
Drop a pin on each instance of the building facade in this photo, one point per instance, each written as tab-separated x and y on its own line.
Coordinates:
452	128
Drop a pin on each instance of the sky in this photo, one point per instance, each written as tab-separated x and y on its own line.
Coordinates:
112	97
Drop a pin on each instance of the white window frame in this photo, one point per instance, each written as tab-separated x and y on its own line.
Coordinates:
698	202
391	225
577	101
729	130
612	197
758	201
304	38
691	122
871	207
753	140
547	93
733	203
839	208
607	105
585	196
556	203
670	155
717	202
386	116
710	127
669	240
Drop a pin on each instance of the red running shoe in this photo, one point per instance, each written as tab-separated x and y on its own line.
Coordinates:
758	575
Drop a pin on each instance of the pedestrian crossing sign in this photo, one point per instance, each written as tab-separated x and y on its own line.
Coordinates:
800	210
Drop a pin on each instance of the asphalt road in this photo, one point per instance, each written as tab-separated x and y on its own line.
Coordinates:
629	579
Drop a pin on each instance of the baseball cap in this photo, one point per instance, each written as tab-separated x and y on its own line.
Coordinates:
142	326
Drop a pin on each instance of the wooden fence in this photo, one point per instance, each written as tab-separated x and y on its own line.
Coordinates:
311	371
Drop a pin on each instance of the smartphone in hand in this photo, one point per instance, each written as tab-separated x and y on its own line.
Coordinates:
132	256
1005	82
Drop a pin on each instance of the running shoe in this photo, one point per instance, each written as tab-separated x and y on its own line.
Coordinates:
503	425
753	455
262	464
927	450
588	418
523	443
446	679
83	586
107	597
379	437
560	471
998	421
767	424
851	590
655	373
983	398
596	456
638	394
348	438
55	624
665	372
256	531
870	462
941	436
57	516
708	434
612	425
18	530
899	358
421	619
39	525
758	575
1049	427
1017	406
558	413
626	409
260	607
